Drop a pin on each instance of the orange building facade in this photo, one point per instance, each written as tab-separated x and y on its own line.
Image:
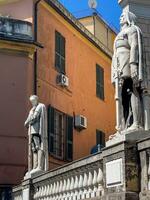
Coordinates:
82	54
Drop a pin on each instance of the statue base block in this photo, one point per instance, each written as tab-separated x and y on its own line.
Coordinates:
128	136
33	173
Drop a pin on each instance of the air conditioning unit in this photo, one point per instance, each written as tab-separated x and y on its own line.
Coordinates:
62	80
80	122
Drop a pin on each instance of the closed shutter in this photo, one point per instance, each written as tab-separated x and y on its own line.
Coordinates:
99	82
51	132
100	138
60	52
69	138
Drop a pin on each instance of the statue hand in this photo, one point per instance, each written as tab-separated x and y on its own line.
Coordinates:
134	72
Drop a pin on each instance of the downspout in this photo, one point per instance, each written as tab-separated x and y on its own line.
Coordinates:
35	39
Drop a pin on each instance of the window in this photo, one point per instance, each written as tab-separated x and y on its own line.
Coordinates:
100	138
60	132
59	52
6	193
99	82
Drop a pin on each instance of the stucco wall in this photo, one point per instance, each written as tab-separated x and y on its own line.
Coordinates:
15	87
80	96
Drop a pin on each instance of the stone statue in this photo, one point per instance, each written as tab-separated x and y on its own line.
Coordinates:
37	131
128	74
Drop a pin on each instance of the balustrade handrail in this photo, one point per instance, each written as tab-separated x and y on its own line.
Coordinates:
68	167
15	28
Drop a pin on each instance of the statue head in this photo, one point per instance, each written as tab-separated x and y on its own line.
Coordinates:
34	100
128	18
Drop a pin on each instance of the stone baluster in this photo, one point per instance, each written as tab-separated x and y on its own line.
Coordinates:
100	190
53	191
60	190
94	182
45	191
71	189
68	189
40	191
85	181
48	190
76	188
90	180
80	187
57	191
64	189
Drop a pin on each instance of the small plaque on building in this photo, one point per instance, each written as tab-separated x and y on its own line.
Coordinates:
114	173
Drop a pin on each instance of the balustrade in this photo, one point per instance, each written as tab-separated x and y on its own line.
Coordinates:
81	186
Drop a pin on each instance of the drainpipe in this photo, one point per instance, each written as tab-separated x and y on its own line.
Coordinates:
35	39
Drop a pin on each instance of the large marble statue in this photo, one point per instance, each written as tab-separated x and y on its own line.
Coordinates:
128	74
37	132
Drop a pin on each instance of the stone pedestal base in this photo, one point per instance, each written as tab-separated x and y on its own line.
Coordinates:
33	173
122	196
128	136
121	170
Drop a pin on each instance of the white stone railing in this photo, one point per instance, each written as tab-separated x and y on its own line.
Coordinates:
17	194
81	182
88	185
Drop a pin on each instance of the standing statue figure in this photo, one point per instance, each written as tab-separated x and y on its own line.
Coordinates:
37	132
128	74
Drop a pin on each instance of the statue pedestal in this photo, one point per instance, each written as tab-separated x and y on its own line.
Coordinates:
33	173
121	171
128	136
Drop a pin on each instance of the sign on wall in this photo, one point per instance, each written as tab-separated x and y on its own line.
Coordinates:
114	173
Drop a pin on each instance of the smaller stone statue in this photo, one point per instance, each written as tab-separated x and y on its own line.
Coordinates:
37	132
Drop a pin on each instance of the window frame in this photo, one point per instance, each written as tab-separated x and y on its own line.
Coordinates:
100	84
102	137
52	135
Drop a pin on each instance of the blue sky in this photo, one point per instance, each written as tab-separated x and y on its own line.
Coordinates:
108	9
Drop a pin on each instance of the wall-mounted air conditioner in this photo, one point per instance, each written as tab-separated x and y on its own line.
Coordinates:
80	122
62	80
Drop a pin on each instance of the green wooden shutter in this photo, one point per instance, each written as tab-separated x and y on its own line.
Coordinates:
57	50
99	82
51	135
60	52
69	138
100	137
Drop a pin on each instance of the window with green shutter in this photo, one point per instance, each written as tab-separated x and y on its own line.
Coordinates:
100	138
99	82
69	138
51	132
60	134
59	52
